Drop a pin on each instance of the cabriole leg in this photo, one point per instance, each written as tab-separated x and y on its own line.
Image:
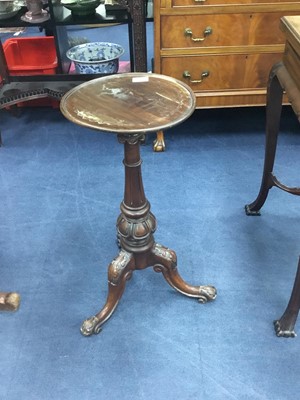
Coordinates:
165	261
273	114
119	271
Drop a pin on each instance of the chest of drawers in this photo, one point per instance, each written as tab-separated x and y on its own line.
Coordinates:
222	49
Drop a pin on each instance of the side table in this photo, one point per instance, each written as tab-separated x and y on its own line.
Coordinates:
284	77
132	105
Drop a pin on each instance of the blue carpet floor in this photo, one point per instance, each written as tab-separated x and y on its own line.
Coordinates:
61	186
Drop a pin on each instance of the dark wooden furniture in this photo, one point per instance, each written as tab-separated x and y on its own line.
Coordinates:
132	105
284	77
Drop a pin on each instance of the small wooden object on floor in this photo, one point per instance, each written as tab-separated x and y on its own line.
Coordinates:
9	301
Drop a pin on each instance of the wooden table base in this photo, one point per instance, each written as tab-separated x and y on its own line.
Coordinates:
136	225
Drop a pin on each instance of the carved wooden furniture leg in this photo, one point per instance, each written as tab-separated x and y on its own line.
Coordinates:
9	301
284	326
159	142
273	113
119	271
165	261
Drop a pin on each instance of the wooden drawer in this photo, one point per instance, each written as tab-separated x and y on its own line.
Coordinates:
203	3
227	30
225	72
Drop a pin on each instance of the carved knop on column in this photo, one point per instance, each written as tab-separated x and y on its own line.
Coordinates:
136	234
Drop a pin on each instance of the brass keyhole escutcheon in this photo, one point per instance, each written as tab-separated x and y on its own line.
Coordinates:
187	75
207	31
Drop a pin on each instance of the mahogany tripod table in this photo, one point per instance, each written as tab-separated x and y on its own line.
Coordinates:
132	105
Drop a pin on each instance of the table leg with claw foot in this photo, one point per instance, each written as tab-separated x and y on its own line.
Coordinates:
119	271
165	261
284	327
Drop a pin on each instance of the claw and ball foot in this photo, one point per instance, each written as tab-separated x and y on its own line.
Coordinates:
159	142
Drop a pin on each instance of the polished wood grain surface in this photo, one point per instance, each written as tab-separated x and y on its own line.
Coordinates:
227	30
234	71
129	103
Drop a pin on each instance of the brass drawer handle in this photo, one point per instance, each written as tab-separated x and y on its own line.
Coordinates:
187	75
200	1
207	31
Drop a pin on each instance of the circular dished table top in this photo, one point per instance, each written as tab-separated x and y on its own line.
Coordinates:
129	103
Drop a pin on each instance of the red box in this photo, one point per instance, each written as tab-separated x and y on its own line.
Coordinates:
31	56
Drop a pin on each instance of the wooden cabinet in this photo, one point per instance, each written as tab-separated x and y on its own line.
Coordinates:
223	49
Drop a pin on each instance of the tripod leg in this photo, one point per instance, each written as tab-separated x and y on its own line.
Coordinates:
165	261
119	271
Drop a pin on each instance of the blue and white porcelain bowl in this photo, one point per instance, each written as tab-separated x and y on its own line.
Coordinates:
96	57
